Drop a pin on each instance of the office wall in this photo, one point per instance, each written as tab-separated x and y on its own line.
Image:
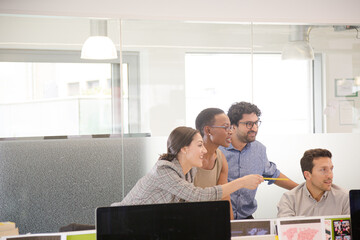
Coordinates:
162	62
307	11
342	114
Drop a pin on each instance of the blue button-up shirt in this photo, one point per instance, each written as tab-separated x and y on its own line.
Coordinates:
251	160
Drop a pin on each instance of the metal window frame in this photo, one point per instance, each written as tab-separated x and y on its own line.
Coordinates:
70	56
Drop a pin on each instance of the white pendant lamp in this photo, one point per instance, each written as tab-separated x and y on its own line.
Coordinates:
98	46
298	47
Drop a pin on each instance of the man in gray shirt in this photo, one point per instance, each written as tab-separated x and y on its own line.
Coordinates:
317	196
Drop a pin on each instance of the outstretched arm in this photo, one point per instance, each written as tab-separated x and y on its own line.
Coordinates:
169	180
249	181
289	184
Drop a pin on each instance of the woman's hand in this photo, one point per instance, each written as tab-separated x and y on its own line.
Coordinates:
252	181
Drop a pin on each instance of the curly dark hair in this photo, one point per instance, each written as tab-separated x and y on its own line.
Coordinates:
237	110
206	118
306	161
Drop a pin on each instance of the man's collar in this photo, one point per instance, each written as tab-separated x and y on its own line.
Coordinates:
231	147
326	193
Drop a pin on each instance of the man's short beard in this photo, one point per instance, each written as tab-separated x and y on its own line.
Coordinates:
248	140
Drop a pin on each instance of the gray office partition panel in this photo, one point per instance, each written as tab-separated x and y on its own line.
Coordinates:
46	184
140	156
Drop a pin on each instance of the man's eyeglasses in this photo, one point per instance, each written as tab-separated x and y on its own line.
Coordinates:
249	125
227	128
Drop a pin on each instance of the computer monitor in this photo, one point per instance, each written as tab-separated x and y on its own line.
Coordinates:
190	221
355	213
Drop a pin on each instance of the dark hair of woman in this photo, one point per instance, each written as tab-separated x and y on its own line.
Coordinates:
180	137
206	118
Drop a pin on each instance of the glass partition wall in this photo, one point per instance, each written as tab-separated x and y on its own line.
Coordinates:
47	91
46	88
188	66
165	74
171	71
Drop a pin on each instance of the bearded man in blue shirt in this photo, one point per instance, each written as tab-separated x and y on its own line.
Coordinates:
247	156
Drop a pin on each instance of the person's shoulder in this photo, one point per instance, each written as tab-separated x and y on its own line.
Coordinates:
221	159
164	163
223	149
258	144
166	166
296	190
337	190
226	151
219	153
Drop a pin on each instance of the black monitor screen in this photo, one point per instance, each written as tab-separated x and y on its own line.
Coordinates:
195	220
355	213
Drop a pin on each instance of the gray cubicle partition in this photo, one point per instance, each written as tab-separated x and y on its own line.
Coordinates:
46	184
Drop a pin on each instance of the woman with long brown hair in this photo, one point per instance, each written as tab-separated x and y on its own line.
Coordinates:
172	177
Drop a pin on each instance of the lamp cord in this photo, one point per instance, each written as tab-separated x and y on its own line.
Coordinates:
308	33
357	32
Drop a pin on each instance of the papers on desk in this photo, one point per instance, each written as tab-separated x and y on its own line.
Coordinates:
322	227
292	228
287	228
301	228
88	236
265	237
252	227
8	229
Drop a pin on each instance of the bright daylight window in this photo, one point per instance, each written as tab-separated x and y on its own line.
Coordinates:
281	89
49	99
